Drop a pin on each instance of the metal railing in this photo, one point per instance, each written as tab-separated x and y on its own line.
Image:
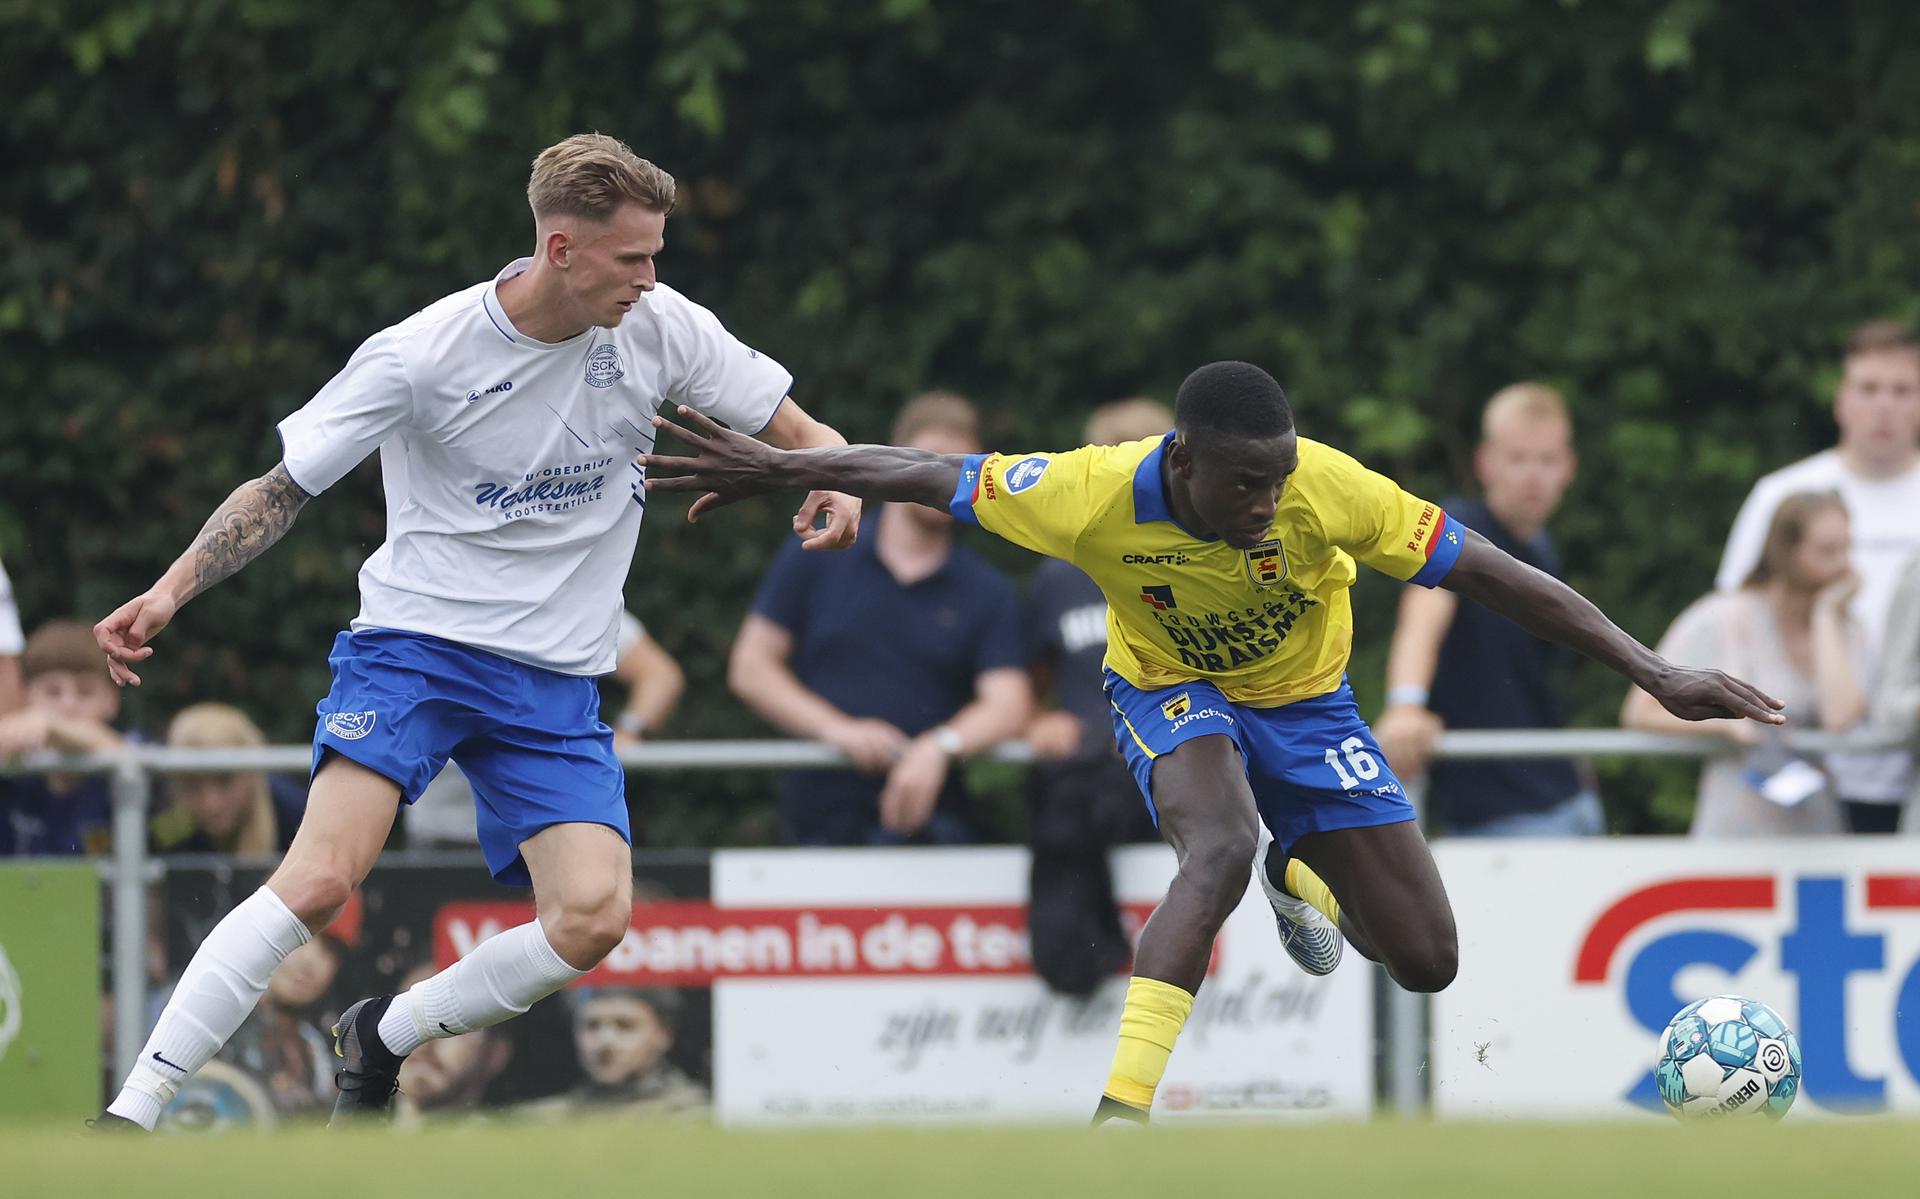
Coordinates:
1404	1022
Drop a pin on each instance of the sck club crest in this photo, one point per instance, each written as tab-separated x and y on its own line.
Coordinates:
603	366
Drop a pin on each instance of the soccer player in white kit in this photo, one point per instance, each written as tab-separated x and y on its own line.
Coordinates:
508	417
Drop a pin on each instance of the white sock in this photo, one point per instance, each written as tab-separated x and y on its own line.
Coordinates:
219	987
504	976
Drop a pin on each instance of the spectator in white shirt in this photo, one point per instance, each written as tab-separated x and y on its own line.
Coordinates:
1876	469
12	642
1896	701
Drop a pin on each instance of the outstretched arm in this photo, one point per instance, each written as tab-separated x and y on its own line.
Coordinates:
1553	611
729	466
256	515
792	429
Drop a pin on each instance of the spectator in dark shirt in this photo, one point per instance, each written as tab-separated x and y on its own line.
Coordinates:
904	652
71	706
1455	665
246	812
1082	798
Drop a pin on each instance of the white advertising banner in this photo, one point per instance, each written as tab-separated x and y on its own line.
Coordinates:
895	985
1574	956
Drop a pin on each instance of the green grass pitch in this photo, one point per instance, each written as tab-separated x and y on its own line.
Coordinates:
588	1160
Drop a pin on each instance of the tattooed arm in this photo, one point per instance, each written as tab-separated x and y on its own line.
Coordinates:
255	516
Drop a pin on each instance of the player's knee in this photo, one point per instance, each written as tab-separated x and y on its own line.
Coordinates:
1220	867
1431	966
315	892
588	923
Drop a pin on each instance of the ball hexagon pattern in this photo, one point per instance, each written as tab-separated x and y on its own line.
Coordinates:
1725	1056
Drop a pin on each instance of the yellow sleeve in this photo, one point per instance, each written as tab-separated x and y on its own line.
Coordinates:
1367	514
1039	501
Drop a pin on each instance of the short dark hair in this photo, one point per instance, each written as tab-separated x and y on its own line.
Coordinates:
1879	337
1225	400
62	644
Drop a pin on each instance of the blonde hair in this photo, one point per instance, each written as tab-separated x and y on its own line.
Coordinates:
1786	531
947	411
590	175
1121	421
223	726
1523	402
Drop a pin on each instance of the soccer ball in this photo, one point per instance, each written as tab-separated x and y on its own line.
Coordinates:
1728	1055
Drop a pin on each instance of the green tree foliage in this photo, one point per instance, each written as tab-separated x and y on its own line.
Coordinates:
1671	208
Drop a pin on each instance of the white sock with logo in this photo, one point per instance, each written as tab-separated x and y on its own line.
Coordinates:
504	976
219	987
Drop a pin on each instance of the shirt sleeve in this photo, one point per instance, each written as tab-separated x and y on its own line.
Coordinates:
783	593
1367	514
1002	640
1896	696
348	419
1745	539
1697	637
628	635
12	639
1039	501
714	372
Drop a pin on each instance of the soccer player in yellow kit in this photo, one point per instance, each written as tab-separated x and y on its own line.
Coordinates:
1226	549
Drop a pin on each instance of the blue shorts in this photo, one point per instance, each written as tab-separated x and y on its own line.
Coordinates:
529	740
1313	764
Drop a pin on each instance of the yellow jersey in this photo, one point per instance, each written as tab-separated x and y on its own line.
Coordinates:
1268	625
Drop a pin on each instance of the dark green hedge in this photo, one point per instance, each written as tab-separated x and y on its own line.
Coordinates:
1673	209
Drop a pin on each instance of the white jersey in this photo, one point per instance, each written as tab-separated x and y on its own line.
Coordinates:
12	641
513	500
1885	538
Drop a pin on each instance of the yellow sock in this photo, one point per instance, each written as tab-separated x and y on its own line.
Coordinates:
1303	883
1149	1025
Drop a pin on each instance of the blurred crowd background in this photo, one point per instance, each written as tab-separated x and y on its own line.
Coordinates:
1674	213
1630	285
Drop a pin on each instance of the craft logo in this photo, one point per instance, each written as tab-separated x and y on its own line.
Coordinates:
1176	707
350	726
1025	473
603	366
1266	563
1161	597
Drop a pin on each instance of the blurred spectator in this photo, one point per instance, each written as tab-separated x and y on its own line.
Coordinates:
12	641
1787	631
248	813
443	816
450	1076
1896	698
622	1036
1455	665
71	706
904	652
1082	799
1876	469
653	680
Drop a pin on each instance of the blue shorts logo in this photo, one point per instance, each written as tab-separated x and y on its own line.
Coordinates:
349	726
603	366
1025	473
